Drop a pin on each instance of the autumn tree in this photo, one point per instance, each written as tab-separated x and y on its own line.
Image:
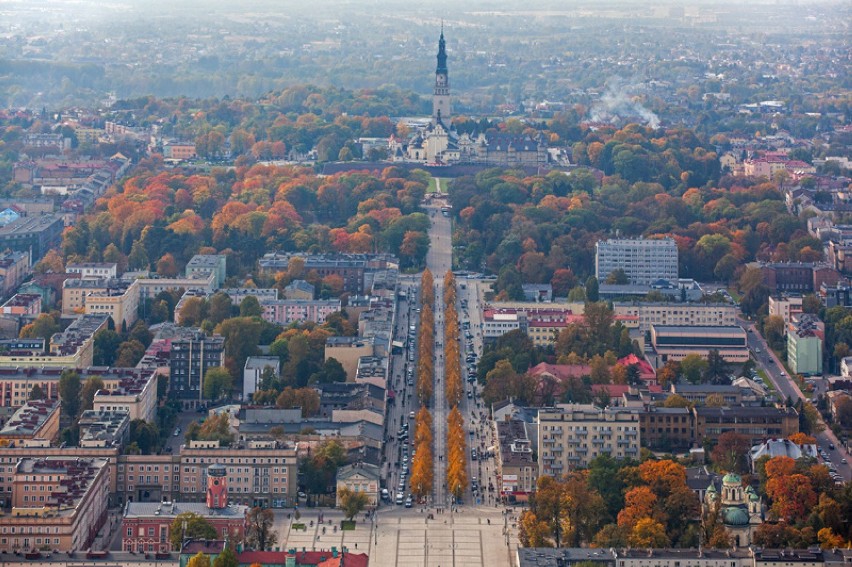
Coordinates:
217	383
189	525
351	502
730	452
533	532
260	534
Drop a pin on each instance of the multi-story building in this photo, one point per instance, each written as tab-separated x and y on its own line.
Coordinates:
698	393
93	270
299	289
104	428
796	277
75	291
571	436
666	429
360	477
286	311
179	151
72	348
756	423
785	306
253	372
122	305
146	526
805	335
151	286
259	473
201	265
191	356
131	390
33	235
37	419
14	269
643	260
22	304
517	470
57	503
350	267
676	342
678	314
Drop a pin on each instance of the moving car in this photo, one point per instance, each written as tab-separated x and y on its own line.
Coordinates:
399	498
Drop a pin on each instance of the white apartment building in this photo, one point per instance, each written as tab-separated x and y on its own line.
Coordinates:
643	260
786	306
571	435
678	314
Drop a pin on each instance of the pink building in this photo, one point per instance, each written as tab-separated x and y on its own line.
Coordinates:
286	311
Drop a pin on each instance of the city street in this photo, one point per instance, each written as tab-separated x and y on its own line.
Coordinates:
787	388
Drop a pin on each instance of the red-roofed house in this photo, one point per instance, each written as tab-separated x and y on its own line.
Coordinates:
646	371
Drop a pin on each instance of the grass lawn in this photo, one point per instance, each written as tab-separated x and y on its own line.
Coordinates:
766	381
347	525
433	184
299	526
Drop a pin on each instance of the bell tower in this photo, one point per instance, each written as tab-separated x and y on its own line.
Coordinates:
441	110
217	487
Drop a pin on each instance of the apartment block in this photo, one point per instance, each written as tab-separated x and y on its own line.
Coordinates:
644	261
786	306
796	277
122	305
93	270
72	348
286	311
348	351
57	503
37	419
75	291
676	314
14	269
571	435
104	428
179	151
805	336
201	265
350	267
149	287
517	469
253	372
129	390
676	342
33	235
191	355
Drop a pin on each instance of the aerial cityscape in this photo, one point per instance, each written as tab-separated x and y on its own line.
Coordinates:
366	283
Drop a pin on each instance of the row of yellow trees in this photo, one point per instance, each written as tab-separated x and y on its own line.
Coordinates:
456	442
422	462
454	386
425	348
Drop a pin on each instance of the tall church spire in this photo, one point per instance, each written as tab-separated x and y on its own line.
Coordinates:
441	96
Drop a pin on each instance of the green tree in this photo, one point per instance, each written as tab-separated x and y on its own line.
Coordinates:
69	393
351	502
693	366
105	346
618	277
259	529
138	258
717	369
242	335
189	525
592	289
87	393
37	393
250	307
145	435
217	382
129	354
332	371
219	307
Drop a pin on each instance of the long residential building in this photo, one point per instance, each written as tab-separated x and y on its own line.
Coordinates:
72	348
677	314
286	311
643	260
756	423
570	436
33	235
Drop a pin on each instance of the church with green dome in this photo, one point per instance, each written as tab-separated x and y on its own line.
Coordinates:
740	507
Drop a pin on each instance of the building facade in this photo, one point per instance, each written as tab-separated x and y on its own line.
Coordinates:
191	356
677	342
571	436
805	335
676	314
644	261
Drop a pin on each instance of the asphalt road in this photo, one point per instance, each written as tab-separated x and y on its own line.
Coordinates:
787	388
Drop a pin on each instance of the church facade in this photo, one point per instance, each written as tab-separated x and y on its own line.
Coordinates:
439	144
740	508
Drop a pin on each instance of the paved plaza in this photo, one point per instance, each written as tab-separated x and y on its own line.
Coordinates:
400	537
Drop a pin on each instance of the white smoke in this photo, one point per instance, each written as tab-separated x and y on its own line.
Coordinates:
617	103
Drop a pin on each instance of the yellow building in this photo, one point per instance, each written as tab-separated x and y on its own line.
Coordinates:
120	304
